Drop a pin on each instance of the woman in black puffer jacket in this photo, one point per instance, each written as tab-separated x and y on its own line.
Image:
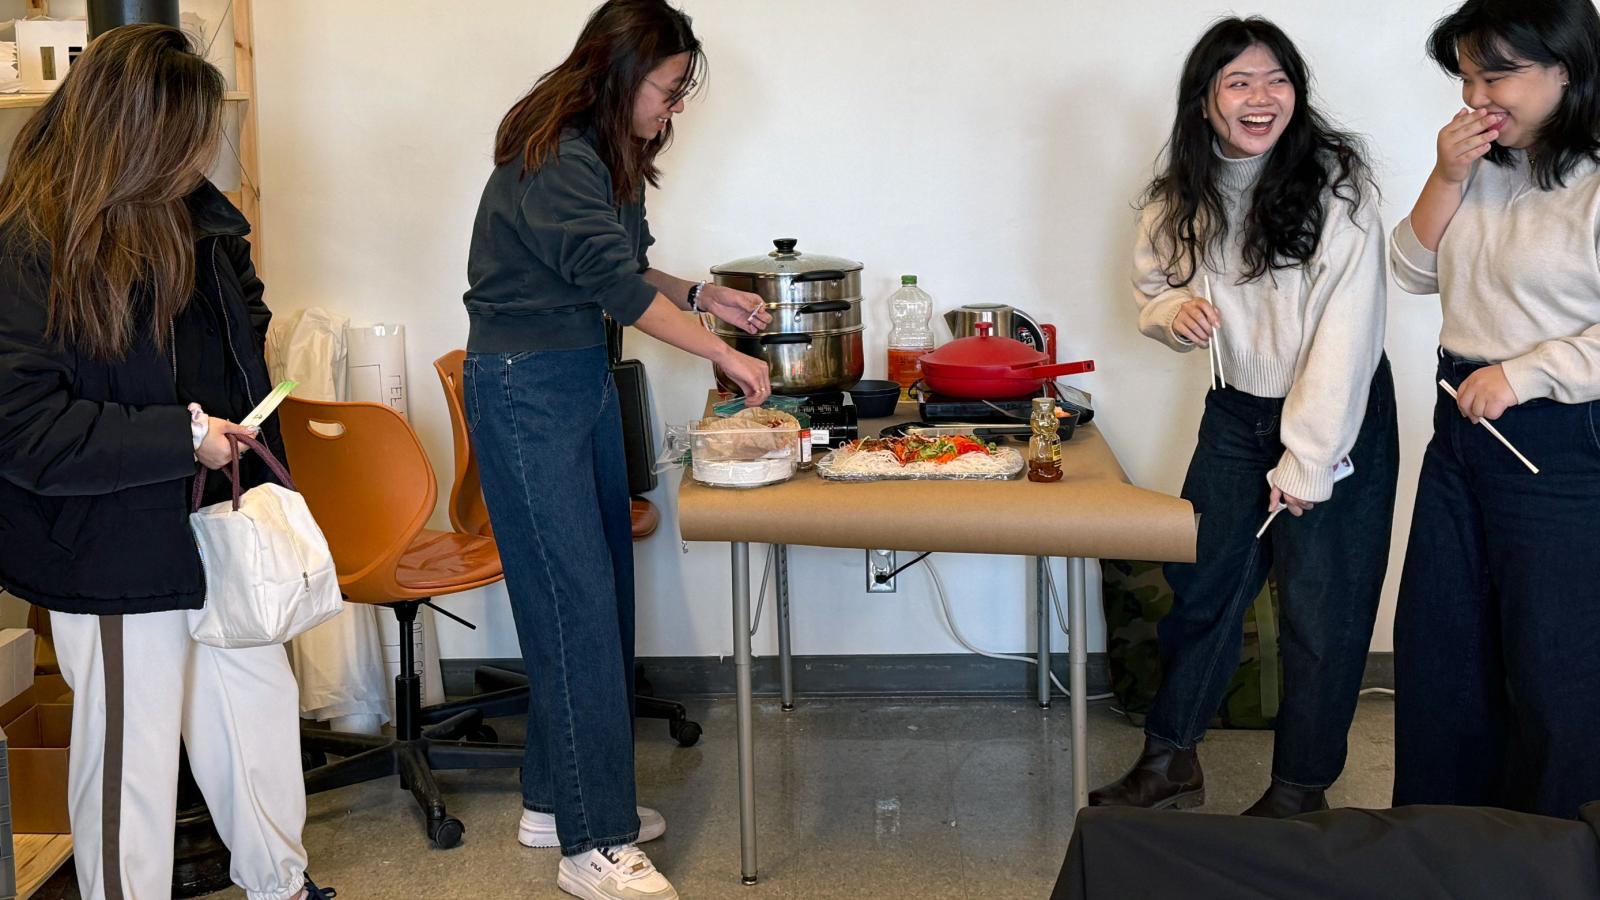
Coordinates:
131	336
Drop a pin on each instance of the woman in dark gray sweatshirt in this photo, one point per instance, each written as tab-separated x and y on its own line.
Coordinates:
559	244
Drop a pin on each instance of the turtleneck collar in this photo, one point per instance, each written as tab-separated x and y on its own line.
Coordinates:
1236	176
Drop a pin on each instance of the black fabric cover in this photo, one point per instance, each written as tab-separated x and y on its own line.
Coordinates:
1414	852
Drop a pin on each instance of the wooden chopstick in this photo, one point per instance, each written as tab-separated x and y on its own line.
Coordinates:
1215	344
1263	530
1492	430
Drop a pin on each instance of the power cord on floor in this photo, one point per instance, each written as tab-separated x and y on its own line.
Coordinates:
761	596
955	631
1055	597
949	617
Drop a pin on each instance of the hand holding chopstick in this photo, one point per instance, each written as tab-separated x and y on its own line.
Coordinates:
1492	430
1343	469
1198	322
1214	346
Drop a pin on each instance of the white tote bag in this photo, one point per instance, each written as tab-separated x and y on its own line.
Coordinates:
269	575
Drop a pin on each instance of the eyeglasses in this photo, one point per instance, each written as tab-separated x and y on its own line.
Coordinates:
683	90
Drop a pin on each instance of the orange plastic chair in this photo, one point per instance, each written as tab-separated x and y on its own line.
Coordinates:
469	513
370	486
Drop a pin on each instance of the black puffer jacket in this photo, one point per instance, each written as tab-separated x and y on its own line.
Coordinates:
96	457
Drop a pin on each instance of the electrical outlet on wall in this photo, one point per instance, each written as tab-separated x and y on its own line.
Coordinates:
880	565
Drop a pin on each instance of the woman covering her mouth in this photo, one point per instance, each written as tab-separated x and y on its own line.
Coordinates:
1496	679
1262	227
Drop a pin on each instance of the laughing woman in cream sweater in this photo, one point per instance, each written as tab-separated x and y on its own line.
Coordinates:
1274	209
1497	679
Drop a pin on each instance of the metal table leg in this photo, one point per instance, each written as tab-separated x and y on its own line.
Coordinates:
746	711
1042	613
785	659
1078	638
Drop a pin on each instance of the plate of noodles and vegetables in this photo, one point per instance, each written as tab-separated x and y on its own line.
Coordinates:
955	457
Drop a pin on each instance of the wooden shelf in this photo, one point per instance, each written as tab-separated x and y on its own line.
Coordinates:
38	858
31	101
244	57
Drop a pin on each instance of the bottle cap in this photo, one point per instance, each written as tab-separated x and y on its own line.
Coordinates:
908	279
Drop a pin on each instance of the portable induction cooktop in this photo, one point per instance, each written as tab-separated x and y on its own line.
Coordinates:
936	408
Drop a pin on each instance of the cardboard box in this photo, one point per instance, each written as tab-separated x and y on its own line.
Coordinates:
46	689
51	689
37	747
16	662
45	661
38	729
14	611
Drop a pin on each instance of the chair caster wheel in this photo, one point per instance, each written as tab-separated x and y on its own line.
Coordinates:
446	832
686	733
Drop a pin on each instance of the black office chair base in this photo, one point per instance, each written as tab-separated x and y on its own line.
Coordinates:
414	761
414	753
685	732
507	689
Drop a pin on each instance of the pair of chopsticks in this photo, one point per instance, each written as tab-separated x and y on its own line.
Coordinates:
1214	346
1492	430
1484	422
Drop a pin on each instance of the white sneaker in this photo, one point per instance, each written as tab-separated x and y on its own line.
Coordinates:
538	829
613	873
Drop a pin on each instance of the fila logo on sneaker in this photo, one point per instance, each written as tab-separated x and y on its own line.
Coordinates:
596	866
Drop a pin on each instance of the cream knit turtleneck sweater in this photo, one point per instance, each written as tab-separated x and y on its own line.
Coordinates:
1312	335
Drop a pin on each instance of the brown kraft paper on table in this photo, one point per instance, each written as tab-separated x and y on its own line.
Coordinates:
1092	512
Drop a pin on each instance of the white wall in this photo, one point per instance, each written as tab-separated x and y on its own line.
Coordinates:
991	148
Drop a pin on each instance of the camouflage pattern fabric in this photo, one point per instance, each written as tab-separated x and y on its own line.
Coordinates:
1136	596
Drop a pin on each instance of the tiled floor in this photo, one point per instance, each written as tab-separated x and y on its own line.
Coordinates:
856	799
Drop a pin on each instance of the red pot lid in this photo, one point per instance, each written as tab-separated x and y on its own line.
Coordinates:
985	351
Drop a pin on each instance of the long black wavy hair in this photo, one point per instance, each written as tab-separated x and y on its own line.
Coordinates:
1503	35
1283	225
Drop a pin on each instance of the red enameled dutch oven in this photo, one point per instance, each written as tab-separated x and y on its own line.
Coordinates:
992	368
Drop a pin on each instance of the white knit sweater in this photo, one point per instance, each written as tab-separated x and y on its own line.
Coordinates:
1312	334
1518	272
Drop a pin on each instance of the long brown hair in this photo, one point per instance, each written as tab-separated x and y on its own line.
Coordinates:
623	41
98	177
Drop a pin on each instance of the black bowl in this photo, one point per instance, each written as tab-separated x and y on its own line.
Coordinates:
875	399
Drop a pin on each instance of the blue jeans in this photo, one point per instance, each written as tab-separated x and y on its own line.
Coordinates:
1329	564
1497	677
548	436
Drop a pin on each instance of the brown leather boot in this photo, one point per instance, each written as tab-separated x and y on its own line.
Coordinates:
1284	800
1163	778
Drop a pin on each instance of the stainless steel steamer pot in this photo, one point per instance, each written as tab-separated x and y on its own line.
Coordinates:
814	342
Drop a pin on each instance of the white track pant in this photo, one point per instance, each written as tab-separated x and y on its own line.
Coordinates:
139	682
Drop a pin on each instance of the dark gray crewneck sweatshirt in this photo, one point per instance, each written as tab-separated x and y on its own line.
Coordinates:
551	253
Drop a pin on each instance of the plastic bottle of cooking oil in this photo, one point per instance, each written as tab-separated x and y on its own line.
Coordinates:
911	336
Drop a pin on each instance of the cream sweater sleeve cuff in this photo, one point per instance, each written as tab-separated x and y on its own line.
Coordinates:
1409	252
1528	379
1178	341
1303	481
